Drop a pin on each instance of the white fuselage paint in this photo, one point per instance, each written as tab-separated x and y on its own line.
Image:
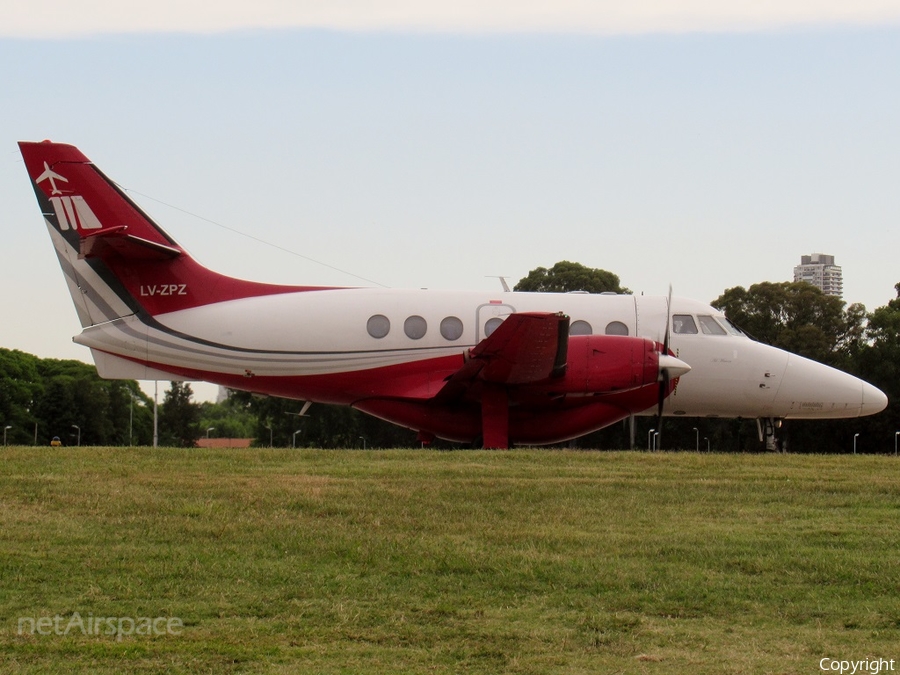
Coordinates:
324	332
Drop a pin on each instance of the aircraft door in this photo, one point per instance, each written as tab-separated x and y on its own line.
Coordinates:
488	316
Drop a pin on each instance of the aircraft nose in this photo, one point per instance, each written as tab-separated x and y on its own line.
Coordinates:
873	400
813	390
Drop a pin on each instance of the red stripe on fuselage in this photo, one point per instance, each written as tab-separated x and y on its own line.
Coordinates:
419	380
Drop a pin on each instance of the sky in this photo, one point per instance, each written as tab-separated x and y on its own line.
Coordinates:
420	144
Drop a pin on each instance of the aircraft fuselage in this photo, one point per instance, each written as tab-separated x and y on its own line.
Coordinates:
320	335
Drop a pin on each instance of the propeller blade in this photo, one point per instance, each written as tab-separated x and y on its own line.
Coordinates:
669	368
663	387
668	321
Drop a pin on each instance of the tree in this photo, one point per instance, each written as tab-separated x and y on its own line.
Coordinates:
56	410
796	317
179	417
879	363
565	277
229	419
43	398
20	387
881	356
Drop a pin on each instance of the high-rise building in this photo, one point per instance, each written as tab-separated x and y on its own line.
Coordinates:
819	270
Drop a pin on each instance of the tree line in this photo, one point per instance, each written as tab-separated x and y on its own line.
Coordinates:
45	398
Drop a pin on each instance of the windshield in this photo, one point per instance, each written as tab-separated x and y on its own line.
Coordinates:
706	324
730	327
683	324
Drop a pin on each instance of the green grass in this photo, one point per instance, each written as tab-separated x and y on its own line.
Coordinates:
282	561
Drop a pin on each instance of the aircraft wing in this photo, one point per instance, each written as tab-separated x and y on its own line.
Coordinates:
525	348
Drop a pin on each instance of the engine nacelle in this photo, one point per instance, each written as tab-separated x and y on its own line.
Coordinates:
606	364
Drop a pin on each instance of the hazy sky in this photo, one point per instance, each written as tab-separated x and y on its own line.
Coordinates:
433	144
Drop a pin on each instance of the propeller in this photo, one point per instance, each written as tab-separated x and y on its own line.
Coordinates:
670	368
663	371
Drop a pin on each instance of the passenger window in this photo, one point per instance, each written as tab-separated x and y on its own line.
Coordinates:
451	328
616	328
492	325
683	324
709	326
415	327
378	326
580	328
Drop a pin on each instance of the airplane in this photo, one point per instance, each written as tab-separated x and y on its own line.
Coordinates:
478	367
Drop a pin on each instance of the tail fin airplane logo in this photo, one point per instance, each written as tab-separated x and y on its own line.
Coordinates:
71	212
52	176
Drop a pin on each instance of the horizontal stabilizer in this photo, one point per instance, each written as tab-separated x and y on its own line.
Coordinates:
117	241
111	367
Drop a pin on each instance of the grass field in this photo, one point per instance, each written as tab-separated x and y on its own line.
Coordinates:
279	561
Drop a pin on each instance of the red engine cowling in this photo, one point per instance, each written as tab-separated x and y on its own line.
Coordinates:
604	364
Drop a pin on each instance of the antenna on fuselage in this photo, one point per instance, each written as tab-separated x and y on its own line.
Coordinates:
303	410
502	282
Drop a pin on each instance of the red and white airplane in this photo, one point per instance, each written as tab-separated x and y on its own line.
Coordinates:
499	368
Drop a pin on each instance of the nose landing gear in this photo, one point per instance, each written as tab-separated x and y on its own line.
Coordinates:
767	426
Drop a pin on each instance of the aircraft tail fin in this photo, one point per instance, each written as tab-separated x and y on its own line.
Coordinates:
116	260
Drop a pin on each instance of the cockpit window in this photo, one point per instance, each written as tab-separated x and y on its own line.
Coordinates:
683	324
730	327
709	326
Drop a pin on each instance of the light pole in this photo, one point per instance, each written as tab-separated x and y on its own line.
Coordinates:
697	432
78	428
208	430
855	436
9	426
294	438
896	433
707	443
364	441
271	433
155	413
650	438
130	417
